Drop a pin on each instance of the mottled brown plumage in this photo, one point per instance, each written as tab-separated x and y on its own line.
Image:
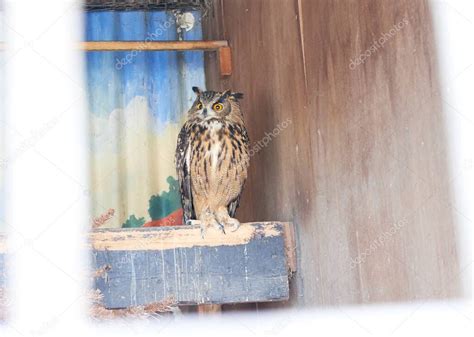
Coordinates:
212	157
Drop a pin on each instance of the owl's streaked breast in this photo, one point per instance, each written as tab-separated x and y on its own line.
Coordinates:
214	130
219	160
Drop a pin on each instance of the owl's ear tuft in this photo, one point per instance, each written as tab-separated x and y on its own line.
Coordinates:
237	95
234	95
225	94
197	90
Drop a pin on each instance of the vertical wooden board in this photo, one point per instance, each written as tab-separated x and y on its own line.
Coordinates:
365	149
253	272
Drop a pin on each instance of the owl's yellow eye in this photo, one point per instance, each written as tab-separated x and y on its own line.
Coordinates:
218	107
199	106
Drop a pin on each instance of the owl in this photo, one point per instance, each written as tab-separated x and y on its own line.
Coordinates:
212	158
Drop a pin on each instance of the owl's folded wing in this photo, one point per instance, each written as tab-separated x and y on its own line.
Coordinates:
182	158
244	149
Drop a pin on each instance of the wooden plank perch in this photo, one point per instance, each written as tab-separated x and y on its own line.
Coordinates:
221	46
148	265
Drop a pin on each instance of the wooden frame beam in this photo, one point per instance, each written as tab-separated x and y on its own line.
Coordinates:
152	45
221	46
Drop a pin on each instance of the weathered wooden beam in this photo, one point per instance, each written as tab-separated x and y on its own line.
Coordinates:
149	265
152	45
221	46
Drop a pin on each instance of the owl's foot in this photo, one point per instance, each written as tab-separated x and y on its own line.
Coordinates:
226	221
209	221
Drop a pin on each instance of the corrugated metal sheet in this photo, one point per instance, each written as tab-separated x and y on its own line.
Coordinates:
137	102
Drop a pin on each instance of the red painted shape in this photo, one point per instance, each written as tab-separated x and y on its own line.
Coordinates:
174	219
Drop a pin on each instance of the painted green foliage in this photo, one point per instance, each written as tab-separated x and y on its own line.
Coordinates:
133	222
165	203
160	205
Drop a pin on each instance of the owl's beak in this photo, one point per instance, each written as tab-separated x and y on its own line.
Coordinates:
204	112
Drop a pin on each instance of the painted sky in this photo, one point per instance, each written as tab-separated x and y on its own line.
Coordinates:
137	102
116	78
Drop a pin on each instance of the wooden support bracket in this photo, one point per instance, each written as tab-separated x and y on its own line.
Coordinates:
221	46
225	61
148	265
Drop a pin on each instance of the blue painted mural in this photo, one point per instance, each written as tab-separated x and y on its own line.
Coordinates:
137	102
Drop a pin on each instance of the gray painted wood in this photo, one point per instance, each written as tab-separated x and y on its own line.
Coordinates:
255	271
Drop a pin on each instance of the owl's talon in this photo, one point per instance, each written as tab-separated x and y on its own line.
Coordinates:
192	222
233	224
221	227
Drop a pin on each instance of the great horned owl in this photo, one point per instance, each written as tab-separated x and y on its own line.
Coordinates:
212	157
